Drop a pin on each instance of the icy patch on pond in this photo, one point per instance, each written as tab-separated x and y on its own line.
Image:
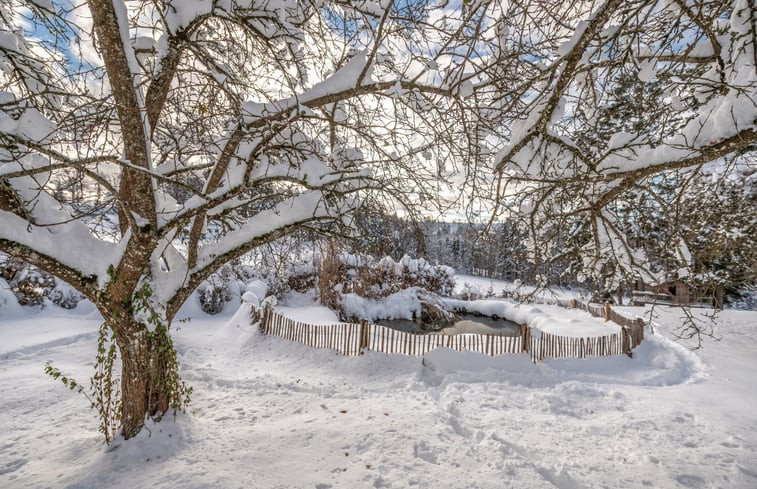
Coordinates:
547	318
472	324
465	324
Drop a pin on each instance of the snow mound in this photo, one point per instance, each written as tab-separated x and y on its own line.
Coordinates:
405	304
255	292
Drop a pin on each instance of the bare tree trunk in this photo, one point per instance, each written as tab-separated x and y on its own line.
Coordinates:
145	387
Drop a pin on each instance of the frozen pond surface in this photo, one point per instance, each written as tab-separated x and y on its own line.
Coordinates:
467	323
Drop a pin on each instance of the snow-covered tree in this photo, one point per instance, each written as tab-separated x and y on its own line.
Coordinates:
210	128
618	108
720	230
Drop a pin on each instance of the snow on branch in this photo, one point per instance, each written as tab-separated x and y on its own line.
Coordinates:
46	227
619	111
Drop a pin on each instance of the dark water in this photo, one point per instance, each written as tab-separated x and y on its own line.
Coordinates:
468	323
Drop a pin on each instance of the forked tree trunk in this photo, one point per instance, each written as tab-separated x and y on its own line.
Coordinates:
144	376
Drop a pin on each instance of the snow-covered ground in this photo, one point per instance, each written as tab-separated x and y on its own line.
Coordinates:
267	413
484	286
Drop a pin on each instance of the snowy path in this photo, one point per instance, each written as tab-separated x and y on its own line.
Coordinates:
271	414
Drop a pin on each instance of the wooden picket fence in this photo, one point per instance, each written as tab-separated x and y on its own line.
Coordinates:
356	338
555	346
632	327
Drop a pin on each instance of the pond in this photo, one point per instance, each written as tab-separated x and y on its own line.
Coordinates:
467	323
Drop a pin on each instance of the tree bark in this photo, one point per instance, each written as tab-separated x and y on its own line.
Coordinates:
144	375
135	187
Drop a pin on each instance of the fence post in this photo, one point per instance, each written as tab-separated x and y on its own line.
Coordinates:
640	329
607	311
363	337
265	317
526	335
573	303
255	313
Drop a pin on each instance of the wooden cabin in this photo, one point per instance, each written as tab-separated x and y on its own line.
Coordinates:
675	292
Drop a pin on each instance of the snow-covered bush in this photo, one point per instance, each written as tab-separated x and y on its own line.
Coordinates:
34	287
369	277
469	292
213	295
65	296
412	303
223	286
349	283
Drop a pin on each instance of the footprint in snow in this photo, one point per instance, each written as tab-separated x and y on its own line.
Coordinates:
12	466
424	452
